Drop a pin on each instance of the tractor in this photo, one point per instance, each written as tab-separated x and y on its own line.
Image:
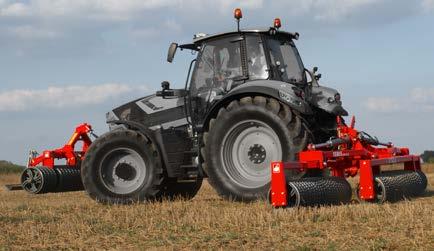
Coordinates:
248	100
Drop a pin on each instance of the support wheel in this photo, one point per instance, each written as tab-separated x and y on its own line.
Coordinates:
122	166
38	180
243	139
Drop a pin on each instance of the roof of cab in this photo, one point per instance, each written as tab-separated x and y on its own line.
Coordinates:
204	37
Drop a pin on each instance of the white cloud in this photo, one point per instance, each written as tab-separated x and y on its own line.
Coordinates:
335	10
428	5
422	95
383	104
66	16
127	9
13	9
31	32
147	32
66	8
418	100
110	9
51	19
59	97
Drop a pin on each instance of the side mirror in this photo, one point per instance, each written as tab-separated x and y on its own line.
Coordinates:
171	52
315	69
165	85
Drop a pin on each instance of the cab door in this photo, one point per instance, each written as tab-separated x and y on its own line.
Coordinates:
217	69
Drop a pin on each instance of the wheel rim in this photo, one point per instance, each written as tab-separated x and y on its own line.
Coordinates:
293	197
122	170
380	191
247	151
32	180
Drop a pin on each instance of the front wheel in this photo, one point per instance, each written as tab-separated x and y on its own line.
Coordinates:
122	166
242	141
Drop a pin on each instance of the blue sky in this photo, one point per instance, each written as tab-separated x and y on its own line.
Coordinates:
63	62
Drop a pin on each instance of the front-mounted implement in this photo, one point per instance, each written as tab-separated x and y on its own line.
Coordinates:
352	152
43	175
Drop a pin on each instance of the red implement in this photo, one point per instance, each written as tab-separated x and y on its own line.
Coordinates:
351	153
47	158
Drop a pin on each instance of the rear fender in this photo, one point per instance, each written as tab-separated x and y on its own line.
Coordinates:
281	91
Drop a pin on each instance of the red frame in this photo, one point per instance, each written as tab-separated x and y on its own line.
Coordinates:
347	161
47	158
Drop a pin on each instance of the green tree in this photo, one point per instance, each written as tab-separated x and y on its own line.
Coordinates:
9	167
428	156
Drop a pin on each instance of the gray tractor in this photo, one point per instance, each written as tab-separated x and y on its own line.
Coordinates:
248	100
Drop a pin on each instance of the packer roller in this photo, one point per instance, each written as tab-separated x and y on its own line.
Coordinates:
43	175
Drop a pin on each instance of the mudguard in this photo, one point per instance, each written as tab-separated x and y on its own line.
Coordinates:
281	91
161	120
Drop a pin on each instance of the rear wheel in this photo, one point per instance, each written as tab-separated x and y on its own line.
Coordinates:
122	166
243	139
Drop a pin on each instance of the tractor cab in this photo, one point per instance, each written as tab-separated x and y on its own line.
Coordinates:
230	59
227	60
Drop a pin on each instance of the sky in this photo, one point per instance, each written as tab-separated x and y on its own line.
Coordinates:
64	62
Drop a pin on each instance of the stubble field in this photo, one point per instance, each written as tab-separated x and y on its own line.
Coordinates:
74	221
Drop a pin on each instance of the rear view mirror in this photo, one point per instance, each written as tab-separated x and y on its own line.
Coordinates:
171	52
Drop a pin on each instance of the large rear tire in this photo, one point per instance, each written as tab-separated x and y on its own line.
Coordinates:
243	139
122	166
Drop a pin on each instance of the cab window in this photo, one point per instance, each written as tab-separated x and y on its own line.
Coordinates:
256	61
285	58
219	64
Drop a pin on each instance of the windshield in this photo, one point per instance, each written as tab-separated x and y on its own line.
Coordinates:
285	59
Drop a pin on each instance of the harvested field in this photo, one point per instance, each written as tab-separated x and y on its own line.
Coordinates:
73	221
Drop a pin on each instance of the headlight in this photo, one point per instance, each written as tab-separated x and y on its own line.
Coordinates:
336	99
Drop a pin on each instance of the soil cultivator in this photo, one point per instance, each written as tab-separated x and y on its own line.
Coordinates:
42	175
352	152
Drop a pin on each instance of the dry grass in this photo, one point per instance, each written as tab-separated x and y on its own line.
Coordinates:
73	221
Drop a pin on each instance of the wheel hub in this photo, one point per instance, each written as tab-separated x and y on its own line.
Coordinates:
257	154
125	171
247	149
122	170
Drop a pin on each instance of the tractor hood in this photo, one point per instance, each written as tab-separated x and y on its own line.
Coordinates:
151	111
327	99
